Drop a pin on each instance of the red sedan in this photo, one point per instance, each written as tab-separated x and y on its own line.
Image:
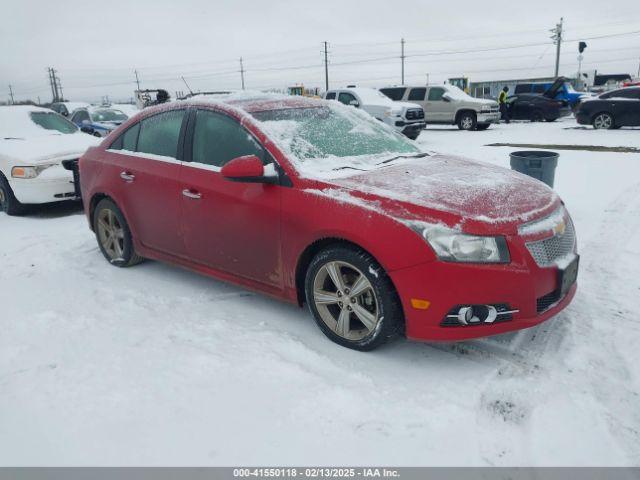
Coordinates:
314	202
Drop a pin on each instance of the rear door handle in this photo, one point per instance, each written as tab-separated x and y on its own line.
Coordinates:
127	176
192	194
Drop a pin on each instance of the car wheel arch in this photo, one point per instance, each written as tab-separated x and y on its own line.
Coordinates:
305	258
462	111
600	112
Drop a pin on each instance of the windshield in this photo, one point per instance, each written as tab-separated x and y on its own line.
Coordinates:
53	121
108	115
327	138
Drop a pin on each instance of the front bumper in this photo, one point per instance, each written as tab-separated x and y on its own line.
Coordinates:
520	285
53	185
488	117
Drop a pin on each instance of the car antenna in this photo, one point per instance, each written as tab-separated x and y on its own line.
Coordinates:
188	87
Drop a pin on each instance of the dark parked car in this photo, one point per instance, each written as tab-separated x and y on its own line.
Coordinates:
614	109
537	108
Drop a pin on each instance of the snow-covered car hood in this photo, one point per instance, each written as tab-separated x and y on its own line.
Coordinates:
468	192
110	125
42	148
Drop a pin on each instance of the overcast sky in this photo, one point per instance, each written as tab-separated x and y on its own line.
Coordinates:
96	46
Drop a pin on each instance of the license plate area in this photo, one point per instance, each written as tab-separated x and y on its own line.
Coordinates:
568	276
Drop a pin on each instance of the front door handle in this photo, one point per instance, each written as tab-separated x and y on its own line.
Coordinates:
127	176
192	194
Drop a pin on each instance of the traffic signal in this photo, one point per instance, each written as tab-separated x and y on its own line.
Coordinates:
581	47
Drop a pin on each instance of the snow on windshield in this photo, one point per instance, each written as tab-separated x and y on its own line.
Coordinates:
26	121
331	137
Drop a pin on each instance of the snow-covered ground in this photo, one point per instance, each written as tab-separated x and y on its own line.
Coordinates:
156	365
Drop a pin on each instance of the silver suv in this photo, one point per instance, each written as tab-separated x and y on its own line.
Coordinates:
447	104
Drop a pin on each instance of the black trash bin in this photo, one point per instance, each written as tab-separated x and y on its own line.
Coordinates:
539	164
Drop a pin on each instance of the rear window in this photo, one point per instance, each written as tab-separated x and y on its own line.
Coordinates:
53	121
523	88
331	96
395	93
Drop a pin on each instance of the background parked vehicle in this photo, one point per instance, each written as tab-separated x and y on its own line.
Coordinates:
447	104
66	108
98	121
39	151
406	118
561	89
536	108
614	109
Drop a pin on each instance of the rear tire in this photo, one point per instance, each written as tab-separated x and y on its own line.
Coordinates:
352	299
603	121
113	235
8	201
467	121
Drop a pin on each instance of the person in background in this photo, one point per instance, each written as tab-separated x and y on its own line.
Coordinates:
502	100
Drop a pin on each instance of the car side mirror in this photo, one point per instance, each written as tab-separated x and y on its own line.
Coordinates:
354	103
249	169
85	123
445	98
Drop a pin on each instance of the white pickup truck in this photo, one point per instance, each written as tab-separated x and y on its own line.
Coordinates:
406	118
448	105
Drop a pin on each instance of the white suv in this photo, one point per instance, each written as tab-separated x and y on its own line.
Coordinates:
406	118
447	104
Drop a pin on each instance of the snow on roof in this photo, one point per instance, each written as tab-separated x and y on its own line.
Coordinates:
71	106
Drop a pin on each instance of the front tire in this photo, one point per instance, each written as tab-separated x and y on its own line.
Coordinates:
467	121
113	235
603	121
8	201
537	116
352	299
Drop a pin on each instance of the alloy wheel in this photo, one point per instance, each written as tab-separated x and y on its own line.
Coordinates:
345	300
603	120
111	234
467	123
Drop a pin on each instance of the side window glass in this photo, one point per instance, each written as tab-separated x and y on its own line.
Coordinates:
217	139
331	96
346	98
159	134
522	88
417	94
435	94
130	138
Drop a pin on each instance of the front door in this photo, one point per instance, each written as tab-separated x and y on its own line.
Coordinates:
437	109
230	226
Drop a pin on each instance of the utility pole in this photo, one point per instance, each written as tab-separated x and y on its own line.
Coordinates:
326	66
402	57
53	91
59	84
11	94
137	79
557	40
427	79
242	72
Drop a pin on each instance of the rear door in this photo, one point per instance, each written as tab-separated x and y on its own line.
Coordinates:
230	226
147	170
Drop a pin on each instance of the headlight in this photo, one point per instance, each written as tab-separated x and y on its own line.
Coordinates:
29	172
454	246
485	108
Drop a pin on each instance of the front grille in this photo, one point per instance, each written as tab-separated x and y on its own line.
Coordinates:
415	114
544	303
546	252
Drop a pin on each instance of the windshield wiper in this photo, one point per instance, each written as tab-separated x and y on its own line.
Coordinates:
417	155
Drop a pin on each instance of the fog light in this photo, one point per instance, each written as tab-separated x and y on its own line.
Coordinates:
467	315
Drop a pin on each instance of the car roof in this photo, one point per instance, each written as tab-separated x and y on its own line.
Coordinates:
251	102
